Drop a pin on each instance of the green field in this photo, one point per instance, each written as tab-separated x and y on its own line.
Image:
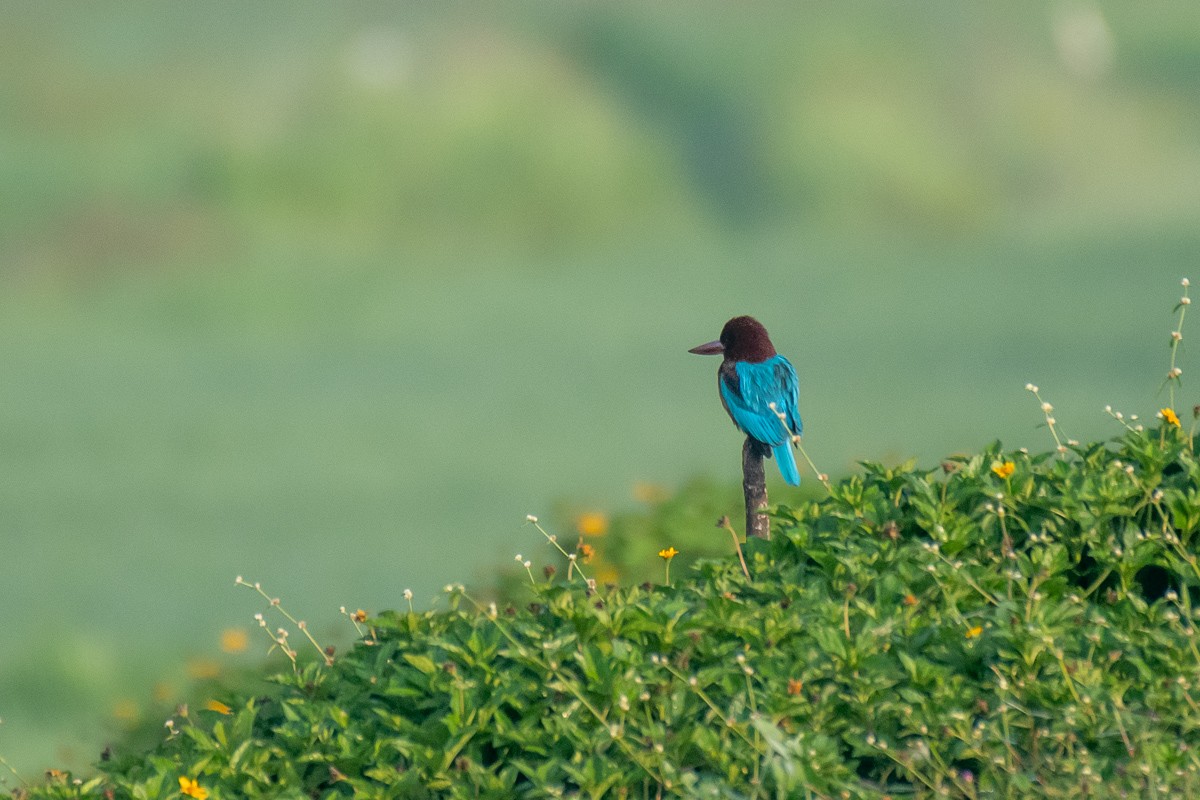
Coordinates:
332	299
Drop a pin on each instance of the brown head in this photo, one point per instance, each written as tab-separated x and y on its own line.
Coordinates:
742	339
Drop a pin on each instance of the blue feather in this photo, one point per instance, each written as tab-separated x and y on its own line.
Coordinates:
786	460
749	390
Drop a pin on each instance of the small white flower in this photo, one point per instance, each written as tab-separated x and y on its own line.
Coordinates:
519	559
408	595
1051	420
1029	387
1185	301
1176	336
1185	282
530	518
1047	407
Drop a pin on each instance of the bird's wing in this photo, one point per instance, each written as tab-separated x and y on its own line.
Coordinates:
748	392
790	386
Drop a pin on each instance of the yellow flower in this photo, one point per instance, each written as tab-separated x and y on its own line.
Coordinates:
203	669
1004	469
234	640
668	554
973	632
126	710
592	523
218	706
607	574
586	552
794	686
649	492
1170	417
192	789
359	616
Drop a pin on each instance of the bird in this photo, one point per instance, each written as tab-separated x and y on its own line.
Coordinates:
759	390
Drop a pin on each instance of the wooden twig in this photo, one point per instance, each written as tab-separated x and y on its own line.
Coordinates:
754	485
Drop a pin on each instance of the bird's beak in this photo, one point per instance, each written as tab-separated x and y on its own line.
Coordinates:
710	349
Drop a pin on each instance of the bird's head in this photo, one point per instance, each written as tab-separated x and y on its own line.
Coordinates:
742	339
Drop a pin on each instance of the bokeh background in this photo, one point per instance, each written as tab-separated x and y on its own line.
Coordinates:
332	296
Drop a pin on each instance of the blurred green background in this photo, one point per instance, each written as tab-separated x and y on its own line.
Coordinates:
331	296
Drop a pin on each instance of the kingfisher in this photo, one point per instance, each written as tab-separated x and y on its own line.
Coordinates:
759	390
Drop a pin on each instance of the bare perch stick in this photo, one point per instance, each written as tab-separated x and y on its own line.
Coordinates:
754	485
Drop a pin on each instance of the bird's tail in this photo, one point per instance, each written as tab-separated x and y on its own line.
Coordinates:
787	463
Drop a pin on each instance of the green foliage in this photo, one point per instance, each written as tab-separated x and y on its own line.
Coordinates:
1010	625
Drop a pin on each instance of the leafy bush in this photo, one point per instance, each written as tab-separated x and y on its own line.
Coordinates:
1008	625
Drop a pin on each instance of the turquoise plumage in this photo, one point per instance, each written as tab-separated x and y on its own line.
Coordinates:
748	399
